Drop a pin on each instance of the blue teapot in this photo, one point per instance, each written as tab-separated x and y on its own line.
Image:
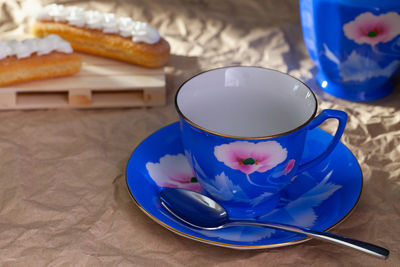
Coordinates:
355	44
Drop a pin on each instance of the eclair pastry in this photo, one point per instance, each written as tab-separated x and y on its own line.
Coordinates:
36	58
104	34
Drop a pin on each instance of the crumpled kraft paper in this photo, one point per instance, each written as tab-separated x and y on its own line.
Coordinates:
63	198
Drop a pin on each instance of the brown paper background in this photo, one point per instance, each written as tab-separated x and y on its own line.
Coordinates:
63	199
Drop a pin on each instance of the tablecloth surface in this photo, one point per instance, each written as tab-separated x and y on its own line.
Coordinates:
63	197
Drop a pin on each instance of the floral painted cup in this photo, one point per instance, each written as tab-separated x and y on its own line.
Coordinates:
244	129
355	44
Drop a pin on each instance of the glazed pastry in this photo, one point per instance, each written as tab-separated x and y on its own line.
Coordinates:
104	34
36	58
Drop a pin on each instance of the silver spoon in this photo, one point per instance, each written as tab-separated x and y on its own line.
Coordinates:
202	212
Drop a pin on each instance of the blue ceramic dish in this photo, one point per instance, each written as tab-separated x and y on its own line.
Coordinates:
319	198
355	44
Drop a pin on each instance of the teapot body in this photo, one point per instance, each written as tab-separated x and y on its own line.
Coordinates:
355	44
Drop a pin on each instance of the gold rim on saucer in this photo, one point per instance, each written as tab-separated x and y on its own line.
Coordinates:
221	244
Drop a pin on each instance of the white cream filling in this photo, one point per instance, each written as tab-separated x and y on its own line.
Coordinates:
106	22
41	46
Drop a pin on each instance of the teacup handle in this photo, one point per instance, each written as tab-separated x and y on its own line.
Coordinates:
341	116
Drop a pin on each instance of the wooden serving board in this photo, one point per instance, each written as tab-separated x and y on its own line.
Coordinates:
101	83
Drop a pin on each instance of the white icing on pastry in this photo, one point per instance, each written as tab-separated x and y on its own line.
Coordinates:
39	46
44	48
145	34
126	26
56	43
5	50
106	22
31	42
76	16
93	19
110	23
21	49
57	12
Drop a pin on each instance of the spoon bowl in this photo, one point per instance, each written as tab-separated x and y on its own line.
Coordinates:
202	212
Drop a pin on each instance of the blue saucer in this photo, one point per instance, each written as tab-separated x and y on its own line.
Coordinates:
318	199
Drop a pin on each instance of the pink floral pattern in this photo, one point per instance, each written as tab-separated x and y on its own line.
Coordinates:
250	157
289	166
370	29
173	171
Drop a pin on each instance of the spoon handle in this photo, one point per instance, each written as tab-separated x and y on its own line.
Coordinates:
372	249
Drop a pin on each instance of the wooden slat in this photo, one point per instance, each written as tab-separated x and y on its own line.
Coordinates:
97	60
8	99
80	97
90	82
41	100
154	96
101	83
90	70
120	99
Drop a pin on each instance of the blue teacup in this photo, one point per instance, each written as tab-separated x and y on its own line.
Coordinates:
355	44
244	130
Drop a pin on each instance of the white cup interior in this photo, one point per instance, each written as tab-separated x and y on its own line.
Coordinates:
246	102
